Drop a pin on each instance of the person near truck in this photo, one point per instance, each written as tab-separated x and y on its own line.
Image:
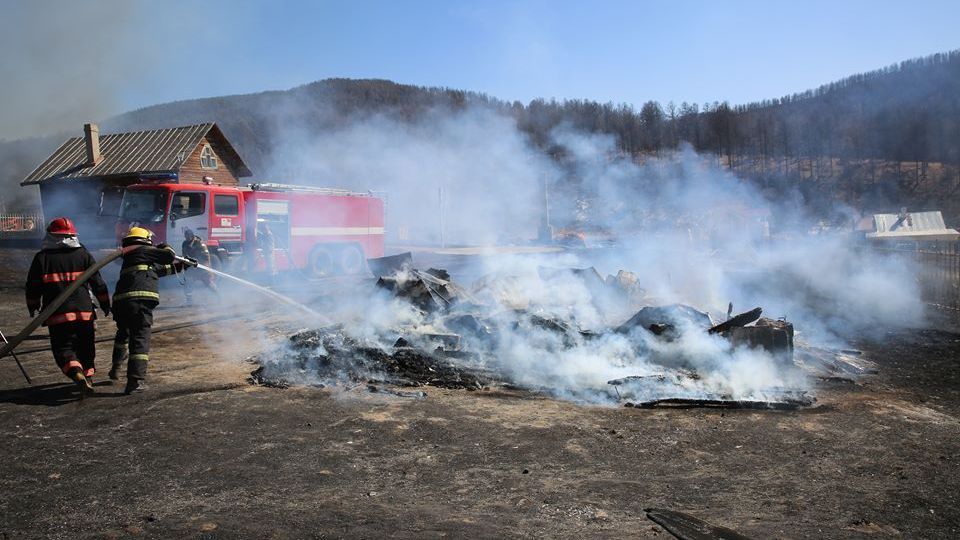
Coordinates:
194	248
136	295
267	245
61	261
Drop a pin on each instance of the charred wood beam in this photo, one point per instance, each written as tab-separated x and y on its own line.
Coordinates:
687	527
681	403
391	264
742	319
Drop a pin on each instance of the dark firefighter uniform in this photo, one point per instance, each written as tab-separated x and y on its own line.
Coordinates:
136	295
60	262
267	245
194	248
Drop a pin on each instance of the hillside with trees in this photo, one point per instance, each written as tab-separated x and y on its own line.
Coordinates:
876	140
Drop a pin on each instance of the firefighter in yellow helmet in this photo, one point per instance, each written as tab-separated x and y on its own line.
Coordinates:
134	298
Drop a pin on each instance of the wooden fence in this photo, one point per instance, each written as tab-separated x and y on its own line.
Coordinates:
938	271
21	226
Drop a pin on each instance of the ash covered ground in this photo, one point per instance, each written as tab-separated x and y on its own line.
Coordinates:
206	454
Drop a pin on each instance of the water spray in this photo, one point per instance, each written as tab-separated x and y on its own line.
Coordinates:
263	290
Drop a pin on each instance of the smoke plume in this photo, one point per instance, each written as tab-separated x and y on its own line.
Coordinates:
691	232
65	63
467	176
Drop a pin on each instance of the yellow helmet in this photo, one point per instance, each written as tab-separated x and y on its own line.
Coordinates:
138	233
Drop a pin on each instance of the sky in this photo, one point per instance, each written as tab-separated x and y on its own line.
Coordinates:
64	60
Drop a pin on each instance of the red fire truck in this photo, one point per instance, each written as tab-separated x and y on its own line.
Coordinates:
321	230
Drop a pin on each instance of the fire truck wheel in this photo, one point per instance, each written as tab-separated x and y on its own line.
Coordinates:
351	260
321	262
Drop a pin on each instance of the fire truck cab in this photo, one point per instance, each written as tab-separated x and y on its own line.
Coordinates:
323	231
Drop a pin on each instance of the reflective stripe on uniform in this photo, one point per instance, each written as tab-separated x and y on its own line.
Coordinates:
144	357
135	268
60	318
59	277
136	294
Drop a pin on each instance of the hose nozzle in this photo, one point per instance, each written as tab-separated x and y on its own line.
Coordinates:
188	261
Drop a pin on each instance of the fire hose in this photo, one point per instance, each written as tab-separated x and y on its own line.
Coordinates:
48	310
9	346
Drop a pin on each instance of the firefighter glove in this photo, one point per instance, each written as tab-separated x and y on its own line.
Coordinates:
191	261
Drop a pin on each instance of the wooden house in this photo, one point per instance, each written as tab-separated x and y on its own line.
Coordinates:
85	178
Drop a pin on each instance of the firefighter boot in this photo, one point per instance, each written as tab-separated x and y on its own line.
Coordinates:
114	372
120	352
134	386
119	360
86	387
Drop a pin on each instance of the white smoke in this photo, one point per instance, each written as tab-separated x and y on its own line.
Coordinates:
691	232
470	174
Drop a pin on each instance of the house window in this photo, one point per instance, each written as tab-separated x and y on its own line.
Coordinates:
208	160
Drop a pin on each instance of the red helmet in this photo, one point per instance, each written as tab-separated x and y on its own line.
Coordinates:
62	225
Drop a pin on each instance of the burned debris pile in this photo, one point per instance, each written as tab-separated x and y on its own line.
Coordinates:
428	290
331	355
545	332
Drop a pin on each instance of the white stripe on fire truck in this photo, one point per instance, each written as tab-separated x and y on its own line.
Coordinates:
225	231
335	231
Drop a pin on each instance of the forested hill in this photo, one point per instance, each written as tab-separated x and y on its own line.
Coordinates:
909	112
905	112
252	121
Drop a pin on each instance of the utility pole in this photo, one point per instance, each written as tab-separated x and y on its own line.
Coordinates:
443	243
546	230
546	198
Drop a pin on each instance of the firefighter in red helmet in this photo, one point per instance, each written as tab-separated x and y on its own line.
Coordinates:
60	262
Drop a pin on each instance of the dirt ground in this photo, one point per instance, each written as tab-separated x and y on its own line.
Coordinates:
203	454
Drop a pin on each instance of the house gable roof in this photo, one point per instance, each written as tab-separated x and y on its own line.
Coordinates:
137	152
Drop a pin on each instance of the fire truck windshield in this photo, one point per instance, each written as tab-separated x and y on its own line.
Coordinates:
146	205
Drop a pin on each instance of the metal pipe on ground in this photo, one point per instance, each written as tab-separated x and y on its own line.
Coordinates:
17	360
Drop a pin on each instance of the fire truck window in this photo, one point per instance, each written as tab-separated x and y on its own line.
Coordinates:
226	205
143	205
185	205
208	160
